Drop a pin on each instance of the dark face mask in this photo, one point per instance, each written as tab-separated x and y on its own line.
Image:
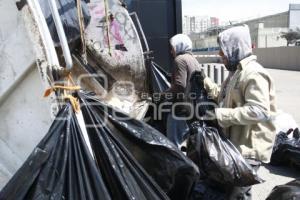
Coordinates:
233	62
231	67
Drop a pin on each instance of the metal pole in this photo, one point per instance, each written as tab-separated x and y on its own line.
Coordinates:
61	34
141	30
222	74
216	74
208	71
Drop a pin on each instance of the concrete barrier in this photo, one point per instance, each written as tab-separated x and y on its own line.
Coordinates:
285	58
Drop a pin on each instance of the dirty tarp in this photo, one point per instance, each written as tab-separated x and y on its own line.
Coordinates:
286	150
61	167
289	191
173	171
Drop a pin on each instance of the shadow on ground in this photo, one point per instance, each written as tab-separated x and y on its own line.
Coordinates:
283	171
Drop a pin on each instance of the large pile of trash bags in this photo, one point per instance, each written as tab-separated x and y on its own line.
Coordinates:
119	157
125	158
122	158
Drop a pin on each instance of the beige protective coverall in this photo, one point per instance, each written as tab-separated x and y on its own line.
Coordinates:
247	101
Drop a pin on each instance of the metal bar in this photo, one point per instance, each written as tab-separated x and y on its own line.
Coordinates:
141	30
45	35
222	74
178	15
43	41
216	74
202	68
61	34
82	33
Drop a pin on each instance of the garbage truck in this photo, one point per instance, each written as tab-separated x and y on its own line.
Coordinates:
104	51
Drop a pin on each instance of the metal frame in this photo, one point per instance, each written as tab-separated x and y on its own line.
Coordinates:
141	30
61	34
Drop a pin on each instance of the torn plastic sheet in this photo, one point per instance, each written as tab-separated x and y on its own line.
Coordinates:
61	167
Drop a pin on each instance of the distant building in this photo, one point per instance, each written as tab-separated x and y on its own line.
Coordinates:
294	16
198	24
186	27
214	22
265	31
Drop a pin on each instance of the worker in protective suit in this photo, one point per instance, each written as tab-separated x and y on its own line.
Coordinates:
246	102
185	65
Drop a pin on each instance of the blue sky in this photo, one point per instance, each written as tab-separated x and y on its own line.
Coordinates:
235	9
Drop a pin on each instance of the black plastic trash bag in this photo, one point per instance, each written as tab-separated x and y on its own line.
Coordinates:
204	191
62	167
173	171
69	17
197	95
289	191
177	130
160	80
286	151
173	128
217	158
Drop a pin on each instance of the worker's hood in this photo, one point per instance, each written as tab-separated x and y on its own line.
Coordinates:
181	44
236	45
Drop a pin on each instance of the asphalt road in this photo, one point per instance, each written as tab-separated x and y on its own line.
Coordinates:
287	85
